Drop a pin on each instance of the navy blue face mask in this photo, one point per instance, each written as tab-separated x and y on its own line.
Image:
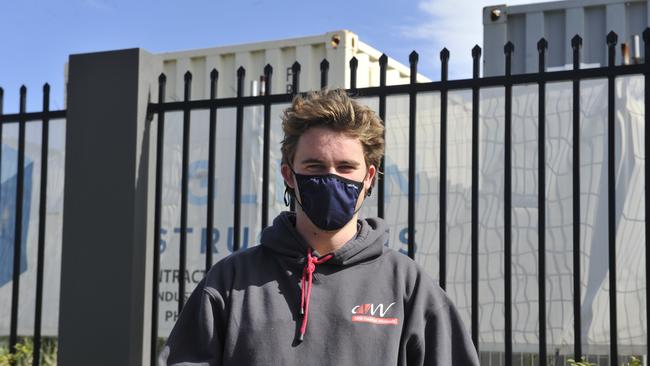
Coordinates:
328	199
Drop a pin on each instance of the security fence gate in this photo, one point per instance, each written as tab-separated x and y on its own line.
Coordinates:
478	155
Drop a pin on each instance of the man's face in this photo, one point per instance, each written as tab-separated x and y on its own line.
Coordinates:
321	150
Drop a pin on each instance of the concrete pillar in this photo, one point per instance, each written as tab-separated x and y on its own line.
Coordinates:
109	193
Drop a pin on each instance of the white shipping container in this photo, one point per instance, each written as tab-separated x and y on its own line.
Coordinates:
559	22
337	47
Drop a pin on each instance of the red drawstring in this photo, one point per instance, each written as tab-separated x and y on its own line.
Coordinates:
308	272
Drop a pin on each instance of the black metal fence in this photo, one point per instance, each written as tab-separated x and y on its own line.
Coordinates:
541	78
22	118
413	89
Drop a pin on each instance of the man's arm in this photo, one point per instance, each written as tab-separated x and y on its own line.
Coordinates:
197	336
434	333
446	341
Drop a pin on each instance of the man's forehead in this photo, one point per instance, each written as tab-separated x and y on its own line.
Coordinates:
325	145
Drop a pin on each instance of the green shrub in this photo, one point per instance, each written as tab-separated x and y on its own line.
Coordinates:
583	362
634	362
24	352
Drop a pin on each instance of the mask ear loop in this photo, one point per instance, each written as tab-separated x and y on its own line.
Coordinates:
289	193
368	191
287	196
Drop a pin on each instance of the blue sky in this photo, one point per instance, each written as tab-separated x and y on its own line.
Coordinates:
38	35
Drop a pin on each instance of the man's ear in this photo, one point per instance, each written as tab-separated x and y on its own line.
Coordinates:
287	175
372	171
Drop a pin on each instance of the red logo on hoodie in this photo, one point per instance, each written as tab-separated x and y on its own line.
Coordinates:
375	314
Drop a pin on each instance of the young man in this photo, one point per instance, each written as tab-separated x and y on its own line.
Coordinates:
322	288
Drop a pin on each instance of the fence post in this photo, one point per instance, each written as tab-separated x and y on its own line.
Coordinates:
107	252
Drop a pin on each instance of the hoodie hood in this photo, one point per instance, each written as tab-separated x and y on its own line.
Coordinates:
283	239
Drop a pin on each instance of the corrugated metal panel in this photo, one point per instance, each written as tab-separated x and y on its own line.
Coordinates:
558	22
337	47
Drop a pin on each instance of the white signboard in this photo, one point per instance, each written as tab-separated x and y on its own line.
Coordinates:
559	271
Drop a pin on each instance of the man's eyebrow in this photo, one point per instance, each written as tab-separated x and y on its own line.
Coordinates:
353	163
339	162
311	161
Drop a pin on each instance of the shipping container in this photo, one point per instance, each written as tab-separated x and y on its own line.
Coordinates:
337	47
559	22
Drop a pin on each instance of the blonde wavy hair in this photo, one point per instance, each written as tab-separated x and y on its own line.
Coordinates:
333	109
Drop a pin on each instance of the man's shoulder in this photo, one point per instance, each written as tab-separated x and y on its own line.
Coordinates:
419	283
240	256
224	271
402	263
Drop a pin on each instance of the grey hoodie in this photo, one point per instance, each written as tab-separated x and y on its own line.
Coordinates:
369	305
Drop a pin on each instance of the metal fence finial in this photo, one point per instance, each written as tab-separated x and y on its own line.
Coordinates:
241	71
476	55
542	44
413	61
295	82
23	98
383	63
476	51
509	48
576	44
268	73
576	41
444	54
354	64
241	74
612	38
324	70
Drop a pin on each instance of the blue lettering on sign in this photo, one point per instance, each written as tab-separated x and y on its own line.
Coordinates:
404	239
188	230
216	235
215	240
198	178
392	174
8	213
163	243
198	171
244	240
